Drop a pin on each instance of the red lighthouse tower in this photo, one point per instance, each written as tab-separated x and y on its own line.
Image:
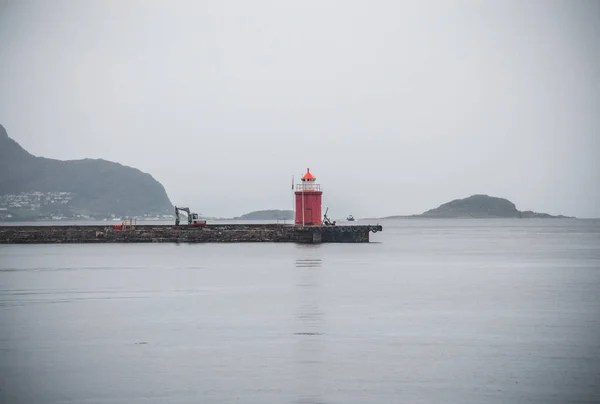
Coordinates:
308	201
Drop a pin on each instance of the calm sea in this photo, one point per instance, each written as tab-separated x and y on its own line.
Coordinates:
465	311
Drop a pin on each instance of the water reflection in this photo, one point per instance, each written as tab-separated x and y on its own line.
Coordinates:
309	329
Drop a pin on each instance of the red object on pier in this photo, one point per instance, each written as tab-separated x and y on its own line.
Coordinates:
308	201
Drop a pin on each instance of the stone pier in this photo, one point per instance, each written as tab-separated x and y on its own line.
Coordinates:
212	233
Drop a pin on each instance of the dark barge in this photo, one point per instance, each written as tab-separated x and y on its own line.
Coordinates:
210	233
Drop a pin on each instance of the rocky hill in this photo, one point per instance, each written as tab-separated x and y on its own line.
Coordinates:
273	214
36	187
479	206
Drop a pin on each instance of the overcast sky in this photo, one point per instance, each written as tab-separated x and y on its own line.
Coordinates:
396	106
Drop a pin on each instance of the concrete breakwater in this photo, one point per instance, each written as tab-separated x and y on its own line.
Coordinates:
215	233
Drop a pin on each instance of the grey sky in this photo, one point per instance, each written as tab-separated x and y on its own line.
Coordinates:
395	106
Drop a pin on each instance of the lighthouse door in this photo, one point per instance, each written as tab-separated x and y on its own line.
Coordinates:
308	218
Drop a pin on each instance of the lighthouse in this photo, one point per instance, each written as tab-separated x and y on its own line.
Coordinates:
308	201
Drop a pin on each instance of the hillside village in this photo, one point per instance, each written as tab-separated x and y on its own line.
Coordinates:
47	206
34	202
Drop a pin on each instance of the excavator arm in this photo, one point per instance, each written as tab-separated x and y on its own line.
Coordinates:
187	211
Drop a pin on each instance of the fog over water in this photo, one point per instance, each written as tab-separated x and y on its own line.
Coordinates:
396	106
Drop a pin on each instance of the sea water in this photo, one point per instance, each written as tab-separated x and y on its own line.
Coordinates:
431	311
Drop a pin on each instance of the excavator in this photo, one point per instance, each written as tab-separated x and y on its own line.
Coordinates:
193	218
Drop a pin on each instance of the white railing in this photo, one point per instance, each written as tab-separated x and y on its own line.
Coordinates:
308	187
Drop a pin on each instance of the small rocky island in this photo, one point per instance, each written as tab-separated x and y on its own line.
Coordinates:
480	207
272	214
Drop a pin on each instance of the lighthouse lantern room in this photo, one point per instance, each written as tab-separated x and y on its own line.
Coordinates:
308	201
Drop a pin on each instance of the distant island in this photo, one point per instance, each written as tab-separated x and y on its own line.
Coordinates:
273	214
38	188
480	207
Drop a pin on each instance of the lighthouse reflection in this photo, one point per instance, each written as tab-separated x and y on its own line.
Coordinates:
309	326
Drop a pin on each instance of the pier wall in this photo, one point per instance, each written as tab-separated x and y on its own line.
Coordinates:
235	233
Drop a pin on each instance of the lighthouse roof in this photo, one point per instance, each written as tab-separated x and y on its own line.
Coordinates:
308	176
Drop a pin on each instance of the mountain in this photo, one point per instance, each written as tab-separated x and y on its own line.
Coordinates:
479	206
273	214
91	187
